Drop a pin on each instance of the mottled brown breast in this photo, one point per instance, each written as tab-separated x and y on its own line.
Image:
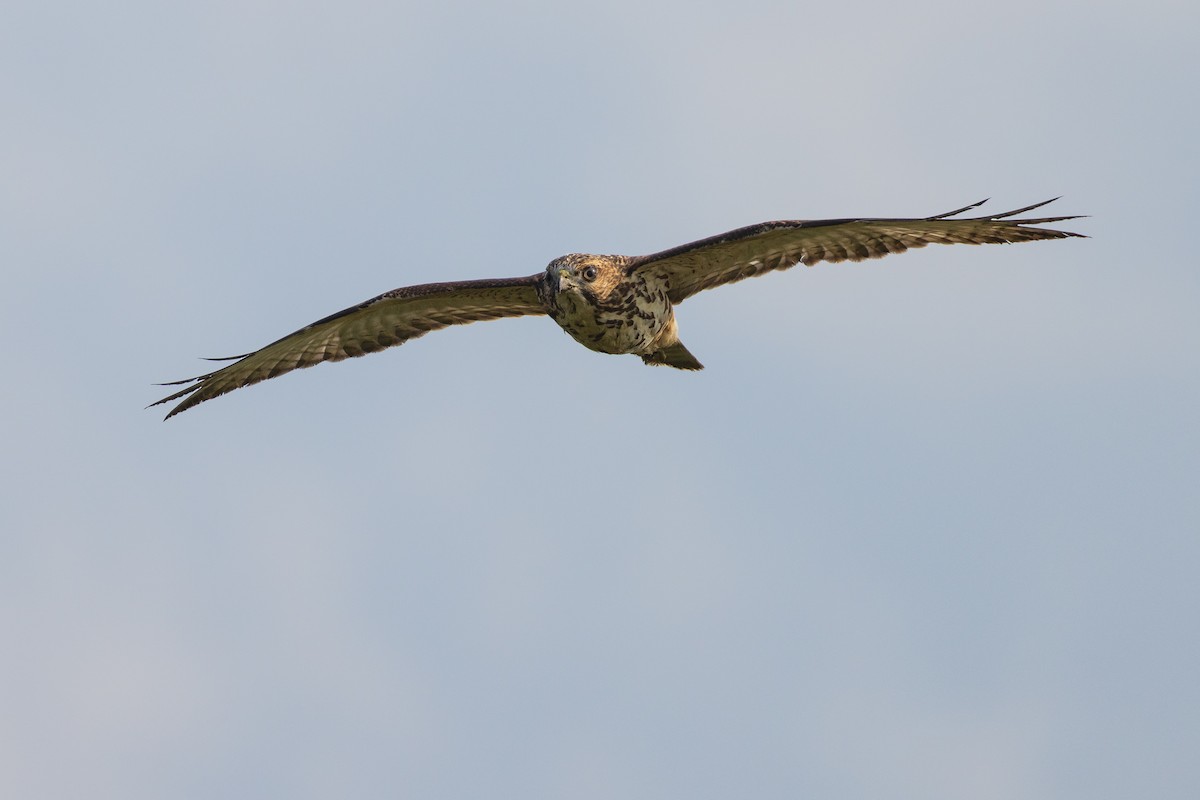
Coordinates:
593	299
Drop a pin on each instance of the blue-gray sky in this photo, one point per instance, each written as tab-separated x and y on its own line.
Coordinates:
925	527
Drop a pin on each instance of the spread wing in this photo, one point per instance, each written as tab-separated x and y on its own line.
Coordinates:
758	249
384	321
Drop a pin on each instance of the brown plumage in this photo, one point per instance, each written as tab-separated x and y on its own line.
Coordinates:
611	304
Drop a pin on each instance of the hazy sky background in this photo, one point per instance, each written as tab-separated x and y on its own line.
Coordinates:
926	527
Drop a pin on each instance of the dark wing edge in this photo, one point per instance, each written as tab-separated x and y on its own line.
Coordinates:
770	246
385	321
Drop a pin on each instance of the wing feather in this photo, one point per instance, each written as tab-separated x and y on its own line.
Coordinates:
381	322
770	246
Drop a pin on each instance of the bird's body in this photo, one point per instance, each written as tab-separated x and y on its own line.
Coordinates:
604	308
608	303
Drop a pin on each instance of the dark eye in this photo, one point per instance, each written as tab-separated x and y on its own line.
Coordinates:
589	274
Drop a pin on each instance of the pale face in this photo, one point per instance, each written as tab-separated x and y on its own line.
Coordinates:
604	309
582	274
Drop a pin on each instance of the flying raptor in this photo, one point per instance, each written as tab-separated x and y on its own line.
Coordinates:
610	304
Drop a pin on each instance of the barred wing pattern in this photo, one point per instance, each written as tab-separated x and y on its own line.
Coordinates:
384	321
758	249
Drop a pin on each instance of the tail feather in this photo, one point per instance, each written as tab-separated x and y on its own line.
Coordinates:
675	355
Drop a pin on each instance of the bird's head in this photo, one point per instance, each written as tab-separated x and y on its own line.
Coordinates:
580	273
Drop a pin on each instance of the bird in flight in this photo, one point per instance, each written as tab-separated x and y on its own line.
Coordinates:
610	304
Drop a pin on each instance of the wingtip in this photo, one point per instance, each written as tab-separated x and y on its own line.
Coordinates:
185	394
960	210
1014	212
1004	214
170	413
187	403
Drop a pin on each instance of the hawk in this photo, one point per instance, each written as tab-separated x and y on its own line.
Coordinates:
607	303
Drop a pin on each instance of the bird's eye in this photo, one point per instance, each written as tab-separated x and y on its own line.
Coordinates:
589	274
